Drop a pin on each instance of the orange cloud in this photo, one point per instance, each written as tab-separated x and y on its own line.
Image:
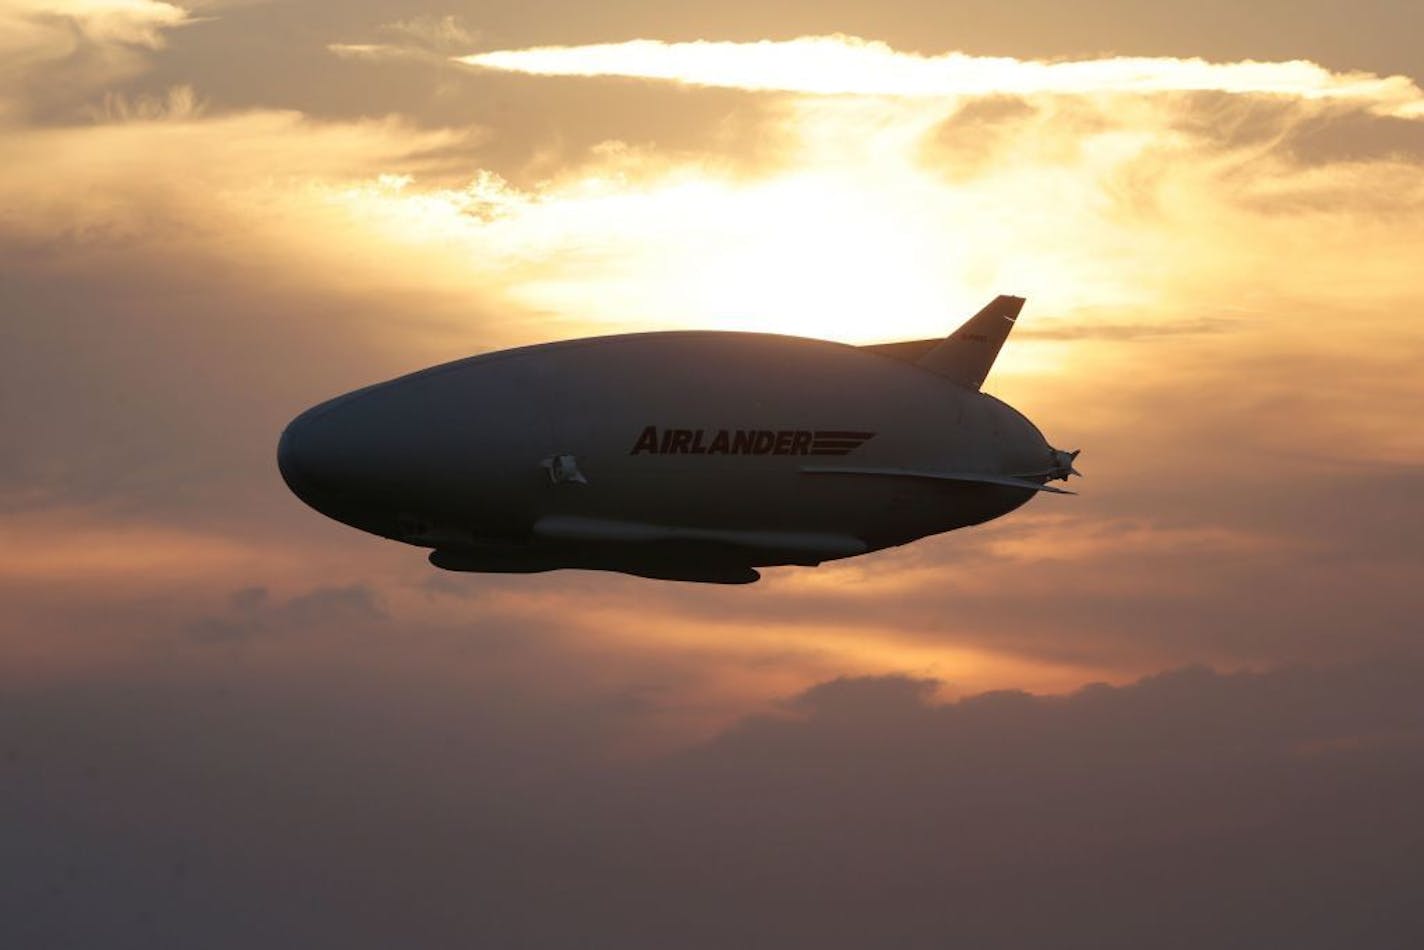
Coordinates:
58	548
849	65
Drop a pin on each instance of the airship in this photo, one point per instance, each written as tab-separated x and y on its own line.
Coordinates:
680	455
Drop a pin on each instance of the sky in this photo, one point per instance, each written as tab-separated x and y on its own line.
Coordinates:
1183	707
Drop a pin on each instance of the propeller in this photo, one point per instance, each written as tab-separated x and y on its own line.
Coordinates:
1063	465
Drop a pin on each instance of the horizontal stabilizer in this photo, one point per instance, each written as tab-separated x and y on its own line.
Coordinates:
906	351
977	478
968	353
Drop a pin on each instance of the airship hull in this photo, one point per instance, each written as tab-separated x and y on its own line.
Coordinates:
683	455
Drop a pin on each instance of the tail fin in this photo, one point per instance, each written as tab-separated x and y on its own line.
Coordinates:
968	353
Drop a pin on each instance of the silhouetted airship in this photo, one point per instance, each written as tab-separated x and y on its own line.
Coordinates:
686	455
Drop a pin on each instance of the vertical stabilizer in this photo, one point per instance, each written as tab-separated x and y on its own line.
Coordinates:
968	353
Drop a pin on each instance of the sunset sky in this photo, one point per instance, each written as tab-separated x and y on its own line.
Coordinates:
228	721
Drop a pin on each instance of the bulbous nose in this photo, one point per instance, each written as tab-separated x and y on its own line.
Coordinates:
327	455
294	458
358	458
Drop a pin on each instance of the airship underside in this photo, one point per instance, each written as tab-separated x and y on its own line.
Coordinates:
687	455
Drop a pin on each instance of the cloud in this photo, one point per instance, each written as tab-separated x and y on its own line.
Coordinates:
360	806
251	612
848	65
436	32
426	37
1087	330
127	22
60	51
179	102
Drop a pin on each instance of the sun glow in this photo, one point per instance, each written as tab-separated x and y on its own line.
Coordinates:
853	237
804	253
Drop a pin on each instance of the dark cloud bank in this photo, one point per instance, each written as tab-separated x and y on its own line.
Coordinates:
342	808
